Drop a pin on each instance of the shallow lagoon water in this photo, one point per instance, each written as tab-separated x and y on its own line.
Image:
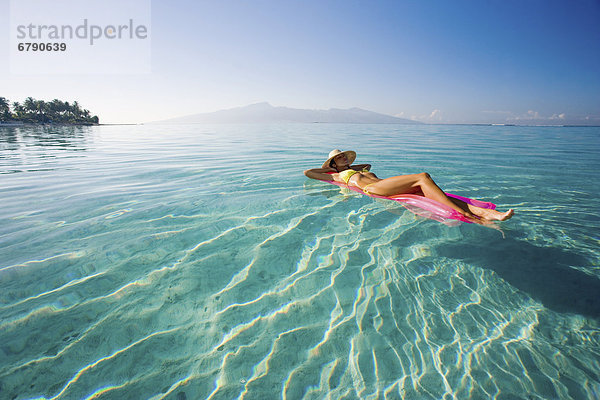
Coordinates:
196	261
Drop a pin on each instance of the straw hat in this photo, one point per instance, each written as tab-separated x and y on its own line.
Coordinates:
351	155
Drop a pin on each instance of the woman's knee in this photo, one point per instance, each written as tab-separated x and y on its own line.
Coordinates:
425	179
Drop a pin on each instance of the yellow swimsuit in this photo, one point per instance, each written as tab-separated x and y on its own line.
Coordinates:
347	174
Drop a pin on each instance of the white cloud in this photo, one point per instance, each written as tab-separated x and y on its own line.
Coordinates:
534	115
435	115
529	115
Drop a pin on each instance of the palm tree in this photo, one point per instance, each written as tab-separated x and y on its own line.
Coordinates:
30	107
57	109
4	109
77	111
18	111
40	111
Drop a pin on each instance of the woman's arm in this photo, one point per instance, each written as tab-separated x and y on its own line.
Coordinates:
360	167
320	173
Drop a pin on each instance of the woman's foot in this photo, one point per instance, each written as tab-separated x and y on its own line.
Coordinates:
506	215
492	215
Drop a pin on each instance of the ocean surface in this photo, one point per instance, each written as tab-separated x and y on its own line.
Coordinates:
198	262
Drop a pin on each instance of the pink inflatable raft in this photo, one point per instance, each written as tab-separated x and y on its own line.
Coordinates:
425	207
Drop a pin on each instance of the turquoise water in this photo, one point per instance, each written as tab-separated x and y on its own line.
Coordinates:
196	261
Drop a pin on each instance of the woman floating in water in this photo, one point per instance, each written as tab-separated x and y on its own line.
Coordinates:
338	167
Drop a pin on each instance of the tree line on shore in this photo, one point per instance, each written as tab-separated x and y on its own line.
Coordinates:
45	112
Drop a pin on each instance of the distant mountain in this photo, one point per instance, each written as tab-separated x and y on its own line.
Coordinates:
264	112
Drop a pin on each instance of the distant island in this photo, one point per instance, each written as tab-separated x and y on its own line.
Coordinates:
266	113
34	111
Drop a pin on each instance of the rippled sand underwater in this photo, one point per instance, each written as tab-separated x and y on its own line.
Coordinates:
195	262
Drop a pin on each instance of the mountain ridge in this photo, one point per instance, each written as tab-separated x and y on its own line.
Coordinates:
264	112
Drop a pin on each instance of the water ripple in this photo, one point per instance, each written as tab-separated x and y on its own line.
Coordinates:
143	273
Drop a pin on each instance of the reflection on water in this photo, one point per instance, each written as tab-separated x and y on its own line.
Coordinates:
545	273
193	262
19	146
47	135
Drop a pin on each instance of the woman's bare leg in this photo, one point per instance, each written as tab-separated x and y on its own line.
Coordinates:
485	213
407	184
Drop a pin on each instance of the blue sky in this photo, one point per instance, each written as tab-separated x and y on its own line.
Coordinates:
434	61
